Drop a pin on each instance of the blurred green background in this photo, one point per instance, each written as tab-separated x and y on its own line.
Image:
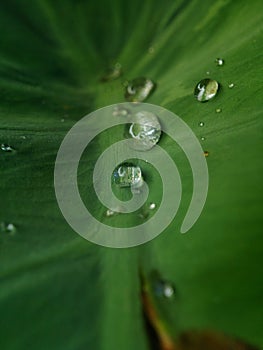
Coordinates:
57	290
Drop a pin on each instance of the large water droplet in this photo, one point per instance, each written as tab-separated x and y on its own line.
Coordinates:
7	148
219	61
113	72
139	89
145	131
206	89
128	175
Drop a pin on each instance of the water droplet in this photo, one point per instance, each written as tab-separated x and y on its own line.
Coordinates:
219	61
152	206
110	212
207	72
128	175
201	124
164	289
145	131
206	153
139	89
7	148
203	138
206	89
62	120
23	137
120	111
8	228
231	85
218	110
113	72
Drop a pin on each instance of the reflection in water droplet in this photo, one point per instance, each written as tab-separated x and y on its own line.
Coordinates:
206	153
218	110
152	206
7	228
128	175
206	89
113	72
7	148
201	124
120	111
231	85
139	89
145	131
219	61
164	289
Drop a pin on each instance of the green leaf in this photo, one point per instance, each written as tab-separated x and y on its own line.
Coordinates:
59	291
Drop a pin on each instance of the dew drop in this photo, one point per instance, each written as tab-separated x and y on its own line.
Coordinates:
113	72
120	111
218	110
164	289
110	212
231	85
206	89
139	89
8	228
203	138
201	124
7	148
206	153
128	175
219	61
145	131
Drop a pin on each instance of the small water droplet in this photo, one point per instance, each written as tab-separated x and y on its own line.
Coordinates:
206	153
7	148
218	110
113	72
128	175
219	61
120	111
164	289
23	137
8	228
203	138
110	212
231	85
206	89
201	124
145	131
62	120
208	73
139	89
152	206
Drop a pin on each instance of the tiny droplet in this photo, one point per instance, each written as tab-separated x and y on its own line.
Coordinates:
201	124
206	89
7	148
164	289
203	138
152	206
8	228
219	61
139	89
218	110
113	72
231	85
206	153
